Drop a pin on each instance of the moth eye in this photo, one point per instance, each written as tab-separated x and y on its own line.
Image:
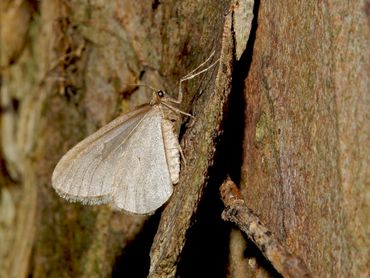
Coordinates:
160	93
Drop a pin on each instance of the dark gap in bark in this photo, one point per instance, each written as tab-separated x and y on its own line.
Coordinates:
11	107
235	123
155	4
134	260
207	247
206	250
235	126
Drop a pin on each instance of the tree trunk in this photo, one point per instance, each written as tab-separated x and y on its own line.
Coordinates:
285	114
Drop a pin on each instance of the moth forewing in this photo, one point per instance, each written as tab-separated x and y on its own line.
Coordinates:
84	172
144	182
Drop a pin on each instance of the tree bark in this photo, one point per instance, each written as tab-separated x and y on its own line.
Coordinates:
286	115
306	140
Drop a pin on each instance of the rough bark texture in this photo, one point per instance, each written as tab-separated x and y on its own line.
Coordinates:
176	217
302	160
306	145
77	63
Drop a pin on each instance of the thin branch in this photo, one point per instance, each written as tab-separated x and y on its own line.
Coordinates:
237	212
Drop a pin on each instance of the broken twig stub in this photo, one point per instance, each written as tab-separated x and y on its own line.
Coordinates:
237	212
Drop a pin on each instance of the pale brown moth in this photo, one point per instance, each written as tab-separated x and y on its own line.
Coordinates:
132	162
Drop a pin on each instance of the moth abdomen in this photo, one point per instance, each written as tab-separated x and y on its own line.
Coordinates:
172	150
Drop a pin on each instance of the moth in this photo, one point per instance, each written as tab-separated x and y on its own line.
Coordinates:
132	162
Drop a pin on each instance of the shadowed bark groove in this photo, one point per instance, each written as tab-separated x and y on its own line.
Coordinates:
176	217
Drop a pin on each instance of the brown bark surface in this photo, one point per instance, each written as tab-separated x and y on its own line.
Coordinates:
295	136
306	145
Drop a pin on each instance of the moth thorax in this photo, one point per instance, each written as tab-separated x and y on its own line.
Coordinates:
170	114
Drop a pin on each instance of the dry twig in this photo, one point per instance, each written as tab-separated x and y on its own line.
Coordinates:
237	212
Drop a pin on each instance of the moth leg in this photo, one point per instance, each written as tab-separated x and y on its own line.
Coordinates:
182	156
193	74
176	110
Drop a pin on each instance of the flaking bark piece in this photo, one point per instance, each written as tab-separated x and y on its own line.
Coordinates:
199	151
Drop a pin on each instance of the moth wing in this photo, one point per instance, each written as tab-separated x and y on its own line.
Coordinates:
146	184
85	173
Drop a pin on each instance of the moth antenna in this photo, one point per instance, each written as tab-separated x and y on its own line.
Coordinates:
195	72
142	85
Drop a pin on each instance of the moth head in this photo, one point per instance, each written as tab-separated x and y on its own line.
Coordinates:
157	97
160	94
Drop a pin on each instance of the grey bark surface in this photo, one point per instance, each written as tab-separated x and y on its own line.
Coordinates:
303	82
